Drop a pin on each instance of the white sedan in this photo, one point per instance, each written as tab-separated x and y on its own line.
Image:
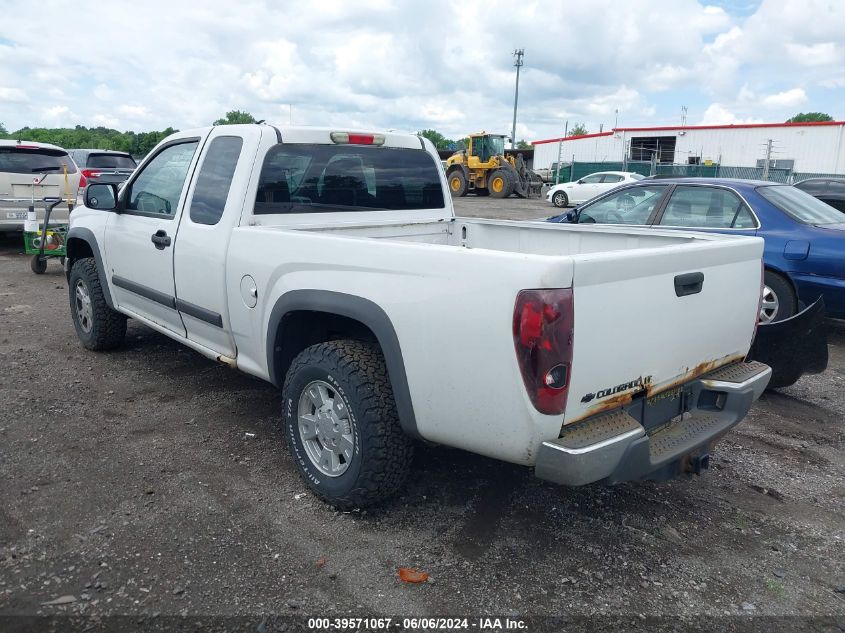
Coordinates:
589	187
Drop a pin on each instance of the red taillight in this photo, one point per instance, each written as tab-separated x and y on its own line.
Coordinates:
361	139
85	174
542	335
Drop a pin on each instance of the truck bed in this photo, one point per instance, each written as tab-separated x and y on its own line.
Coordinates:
631	326
535	238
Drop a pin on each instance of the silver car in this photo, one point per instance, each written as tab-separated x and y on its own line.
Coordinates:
29	172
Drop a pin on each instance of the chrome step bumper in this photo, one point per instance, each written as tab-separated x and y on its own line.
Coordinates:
615	447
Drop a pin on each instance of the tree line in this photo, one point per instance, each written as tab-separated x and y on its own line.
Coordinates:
138	144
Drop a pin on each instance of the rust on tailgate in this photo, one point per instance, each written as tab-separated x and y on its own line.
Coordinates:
621	399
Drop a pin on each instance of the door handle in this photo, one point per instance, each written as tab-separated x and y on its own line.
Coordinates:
161	239
688	284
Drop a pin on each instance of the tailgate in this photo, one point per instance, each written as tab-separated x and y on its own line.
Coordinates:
635	336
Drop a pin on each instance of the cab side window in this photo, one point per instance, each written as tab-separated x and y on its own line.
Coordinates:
157	189
215	179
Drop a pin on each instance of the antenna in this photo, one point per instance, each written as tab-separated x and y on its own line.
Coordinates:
683	116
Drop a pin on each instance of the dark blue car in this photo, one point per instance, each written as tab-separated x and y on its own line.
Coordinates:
804	255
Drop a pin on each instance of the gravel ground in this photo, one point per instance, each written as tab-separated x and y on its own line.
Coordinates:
151	482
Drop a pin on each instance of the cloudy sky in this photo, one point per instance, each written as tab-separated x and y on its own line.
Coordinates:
441	64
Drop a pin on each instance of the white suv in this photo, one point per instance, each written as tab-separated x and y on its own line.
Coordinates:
32	171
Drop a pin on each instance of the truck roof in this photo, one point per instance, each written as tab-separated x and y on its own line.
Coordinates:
323	134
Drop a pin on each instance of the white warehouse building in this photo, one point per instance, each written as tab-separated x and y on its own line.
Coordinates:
797	147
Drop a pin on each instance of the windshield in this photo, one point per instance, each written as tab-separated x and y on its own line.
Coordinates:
496	144
636	176
111	161
800	205
17	160
329	178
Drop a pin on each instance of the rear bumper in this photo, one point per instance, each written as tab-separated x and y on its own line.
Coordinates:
614	447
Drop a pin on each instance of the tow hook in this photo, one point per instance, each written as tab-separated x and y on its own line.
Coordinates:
698	463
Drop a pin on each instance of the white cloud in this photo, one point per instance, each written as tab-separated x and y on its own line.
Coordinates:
821	54
134	111
103	92
717	114
406	65
57	112
787	98
15	95
106	120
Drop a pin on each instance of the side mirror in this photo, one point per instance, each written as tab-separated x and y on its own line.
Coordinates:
572	216
580	182
102	197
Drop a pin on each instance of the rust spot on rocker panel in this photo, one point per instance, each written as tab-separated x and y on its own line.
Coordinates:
621	399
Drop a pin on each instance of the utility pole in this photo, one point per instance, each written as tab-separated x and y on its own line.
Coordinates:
768	158
517	61
559	152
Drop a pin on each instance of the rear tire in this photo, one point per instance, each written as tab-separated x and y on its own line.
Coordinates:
500	184
38	264
779	299
560	200
98	327
457	183
341	424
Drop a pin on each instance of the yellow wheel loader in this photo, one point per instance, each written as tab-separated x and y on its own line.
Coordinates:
486	169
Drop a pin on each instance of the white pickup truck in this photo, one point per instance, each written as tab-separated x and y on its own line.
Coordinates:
330	263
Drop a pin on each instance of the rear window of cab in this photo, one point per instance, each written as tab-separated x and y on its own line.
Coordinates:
304	178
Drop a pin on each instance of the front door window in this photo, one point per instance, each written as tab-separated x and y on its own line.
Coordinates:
157	189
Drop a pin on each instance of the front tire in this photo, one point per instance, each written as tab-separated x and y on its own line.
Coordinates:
499	184
341	424
98	327
560	200
457	183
